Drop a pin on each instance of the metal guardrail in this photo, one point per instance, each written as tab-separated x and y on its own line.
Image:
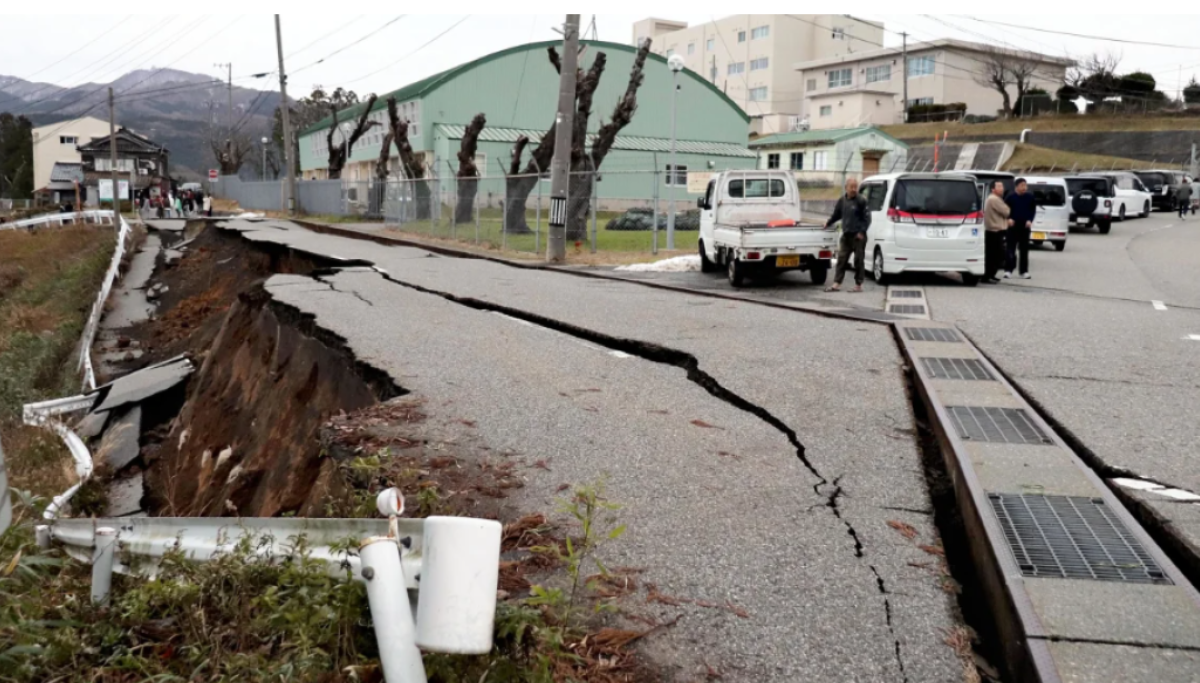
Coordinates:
5	500
92	216
93	322
43	415
452	561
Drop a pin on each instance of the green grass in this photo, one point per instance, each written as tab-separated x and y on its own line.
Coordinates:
489	233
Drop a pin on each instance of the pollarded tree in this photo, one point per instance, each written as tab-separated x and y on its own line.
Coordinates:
379	177
412	167
339	153
468	172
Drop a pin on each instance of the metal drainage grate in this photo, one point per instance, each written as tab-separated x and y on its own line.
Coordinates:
998	425
906	294
907	309
956	368
932	334
1073	537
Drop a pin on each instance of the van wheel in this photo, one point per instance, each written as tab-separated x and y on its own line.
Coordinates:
970	279
1145	210
1121	216
706	266
881	278
736	271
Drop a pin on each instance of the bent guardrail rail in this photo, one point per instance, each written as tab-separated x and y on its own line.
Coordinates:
93	216
93	321
44	414
451	562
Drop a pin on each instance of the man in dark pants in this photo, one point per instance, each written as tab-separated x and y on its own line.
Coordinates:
1183	199
852	211
995	222
1022	208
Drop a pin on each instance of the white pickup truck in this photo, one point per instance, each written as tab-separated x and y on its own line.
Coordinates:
750	225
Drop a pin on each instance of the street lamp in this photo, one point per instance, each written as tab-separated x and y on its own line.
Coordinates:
675	64
264	146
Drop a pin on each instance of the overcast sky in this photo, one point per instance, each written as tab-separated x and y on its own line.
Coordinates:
57	49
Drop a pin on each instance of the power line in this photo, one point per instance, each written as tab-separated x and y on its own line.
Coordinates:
347	47
327	35
1084	35
99	34
410	54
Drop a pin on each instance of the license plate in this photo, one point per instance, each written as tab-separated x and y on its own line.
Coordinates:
937	232
1081	221
787	261
1039	235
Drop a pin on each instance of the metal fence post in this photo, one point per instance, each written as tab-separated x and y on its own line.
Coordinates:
390	611
475	206
453	202
102	563
595	196
537	231
654	225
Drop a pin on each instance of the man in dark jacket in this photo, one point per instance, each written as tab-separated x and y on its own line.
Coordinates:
1022	208
852	211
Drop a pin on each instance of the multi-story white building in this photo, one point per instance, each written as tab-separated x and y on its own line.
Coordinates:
59	142
866	88
752	57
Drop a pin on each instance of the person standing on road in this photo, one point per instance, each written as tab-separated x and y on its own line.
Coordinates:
852	211
207	203
995	222
1183	199
1022	208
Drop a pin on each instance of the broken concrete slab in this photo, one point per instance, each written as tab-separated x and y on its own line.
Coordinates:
141	385
125	495
91	425
168	224
120	446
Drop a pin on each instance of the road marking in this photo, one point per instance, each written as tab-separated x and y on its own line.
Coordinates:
1158	305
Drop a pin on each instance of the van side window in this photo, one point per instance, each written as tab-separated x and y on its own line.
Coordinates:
874	193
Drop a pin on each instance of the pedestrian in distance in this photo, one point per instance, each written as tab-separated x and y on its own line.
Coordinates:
1022	208
995	223
177	205
207	206
1183	199
852	211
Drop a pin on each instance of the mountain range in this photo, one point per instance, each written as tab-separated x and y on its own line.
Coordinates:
171	107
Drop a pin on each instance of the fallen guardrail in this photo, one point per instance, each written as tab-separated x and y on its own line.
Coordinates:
451	563
93	321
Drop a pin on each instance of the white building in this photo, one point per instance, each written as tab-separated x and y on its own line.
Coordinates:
866	88
57	143
828	157
752	57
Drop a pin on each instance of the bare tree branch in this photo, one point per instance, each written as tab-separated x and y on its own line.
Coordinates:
385	151
518	150
339	154
470	143
623	112
409	163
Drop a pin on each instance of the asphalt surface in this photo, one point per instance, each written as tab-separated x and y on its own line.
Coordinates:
719	506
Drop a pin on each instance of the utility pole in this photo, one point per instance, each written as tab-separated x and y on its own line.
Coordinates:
112	153
290	197
229	89
560	167
904	103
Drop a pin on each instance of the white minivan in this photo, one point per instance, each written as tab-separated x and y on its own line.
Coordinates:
1052	222
924	223
1133	200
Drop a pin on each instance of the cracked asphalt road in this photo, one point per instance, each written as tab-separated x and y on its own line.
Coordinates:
802	543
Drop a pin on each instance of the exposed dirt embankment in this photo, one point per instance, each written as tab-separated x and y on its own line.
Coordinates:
246	441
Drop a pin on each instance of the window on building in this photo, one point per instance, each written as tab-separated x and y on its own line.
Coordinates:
797	161
882	72
670	51
839	34
811	85
741	36
827	110
105	164
712	74
760	63
758	94
691	48
736	68
68	140
772	161
920	66
919	101
678	178
710	45
820	161
840	78
760	32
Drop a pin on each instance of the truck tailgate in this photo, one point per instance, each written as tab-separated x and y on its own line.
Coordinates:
798	238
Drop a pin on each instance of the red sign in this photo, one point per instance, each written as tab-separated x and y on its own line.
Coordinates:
212	174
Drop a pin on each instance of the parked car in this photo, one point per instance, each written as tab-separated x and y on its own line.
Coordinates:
1092	199
1163	186
1132	197
925	222
1053	219
750	224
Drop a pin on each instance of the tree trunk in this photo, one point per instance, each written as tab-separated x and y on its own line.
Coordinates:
379	186
579	200
413	169
516	192
464	211
468	173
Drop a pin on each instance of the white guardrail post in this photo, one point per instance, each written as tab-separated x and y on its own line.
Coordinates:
5	500
452	562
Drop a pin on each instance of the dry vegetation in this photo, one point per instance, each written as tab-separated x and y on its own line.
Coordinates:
1043	124
1033	158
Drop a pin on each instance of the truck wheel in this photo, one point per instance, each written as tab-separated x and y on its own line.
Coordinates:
818	273
737	272
881	278
1060	245
706	266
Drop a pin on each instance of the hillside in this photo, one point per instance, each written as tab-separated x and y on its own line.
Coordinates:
171	107
1045	124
